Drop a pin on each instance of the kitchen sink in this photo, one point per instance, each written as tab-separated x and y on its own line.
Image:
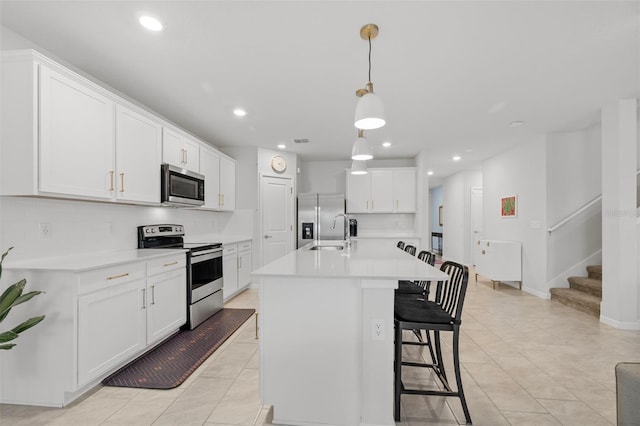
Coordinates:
326	247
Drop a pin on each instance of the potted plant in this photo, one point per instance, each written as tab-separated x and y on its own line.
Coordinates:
10	298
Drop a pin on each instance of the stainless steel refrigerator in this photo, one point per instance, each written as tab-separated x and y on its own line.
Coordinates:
315	217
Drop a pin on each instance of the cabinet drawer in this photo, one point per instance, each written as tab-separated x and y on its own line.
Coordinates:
164	264
244	246
110	276
228	249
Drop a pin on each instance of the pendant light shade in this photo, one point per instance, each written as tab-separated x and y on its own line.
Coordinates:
361	150
358	167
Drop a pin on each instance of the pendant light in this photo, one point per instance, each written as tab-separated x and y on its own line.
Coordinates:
361	150
358	167
369	111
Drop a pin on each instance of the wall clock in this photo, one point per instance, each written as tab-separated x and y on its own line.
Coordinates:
278	163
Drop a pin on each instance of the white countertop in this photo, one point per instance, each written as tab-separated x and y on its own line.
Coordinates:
89	261
365	259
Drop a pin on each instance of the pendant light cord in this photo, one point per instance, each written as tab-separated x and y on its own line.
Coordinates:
369	58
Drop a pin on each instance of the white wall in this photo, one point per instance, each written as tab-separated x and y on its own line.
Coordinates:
520	171
456	224
574	178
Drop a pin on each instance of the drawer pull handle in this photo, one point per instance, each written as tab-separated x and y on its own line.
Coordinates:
171	263
118	276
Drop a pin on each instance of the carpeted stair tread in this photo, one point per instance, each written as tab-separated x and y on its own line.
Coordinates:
595	271
577	299
587	285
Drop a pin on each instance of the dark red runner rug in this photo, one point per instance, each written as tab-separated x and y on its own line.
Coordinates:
168	365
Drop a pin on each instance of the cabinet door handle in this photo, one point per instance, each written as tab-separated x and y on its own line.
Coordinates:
186	156
153	294
171	263
267	236
111	175
222	199
121	182
144	298
113	277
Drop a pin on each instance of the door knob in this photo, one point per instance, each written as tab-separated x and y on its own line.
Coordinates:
267	236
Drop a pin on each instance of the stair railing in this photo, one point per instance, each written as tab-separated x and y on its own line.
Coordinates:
577	212
574	214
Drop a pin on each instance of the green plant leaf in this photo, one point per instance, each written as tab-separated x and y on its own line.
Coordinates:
27	324
7	346
9	296
2	259
8	335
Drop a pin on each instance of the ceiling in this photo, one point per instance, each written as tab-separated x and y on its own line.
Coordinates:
452	75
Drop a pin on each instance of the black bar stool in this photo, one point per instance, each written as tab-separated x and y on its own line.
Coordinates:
442	314
400	245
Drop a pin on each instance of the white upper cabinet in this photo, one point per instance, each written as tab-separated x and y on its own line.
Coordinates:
138	157
65	136
404	190
76	137
227	184
382	199
179	150
358	193
391	190
210	168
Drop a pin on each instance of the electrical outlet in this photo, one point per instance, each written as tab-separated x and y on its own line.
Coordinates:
377	329
45	230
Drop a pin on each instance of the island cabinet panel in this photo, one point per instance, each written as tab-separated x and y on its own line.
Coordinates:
326	332
98	318
76	137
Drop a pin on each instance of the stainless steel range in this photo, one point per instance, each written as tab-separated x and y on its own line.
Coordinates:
204	269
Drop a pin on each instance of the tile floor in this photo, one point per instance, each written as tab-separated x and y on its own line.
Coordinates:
526	361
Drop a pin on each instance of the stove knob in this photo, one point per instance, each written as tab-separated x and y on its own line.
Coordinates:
147	230
153	231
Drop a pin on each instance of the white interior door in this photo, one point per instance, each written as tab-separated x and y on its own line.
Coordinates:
276	206
476	221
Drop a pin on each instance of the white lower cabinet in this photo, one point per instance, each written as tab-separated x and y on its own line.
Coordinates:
499	260
229	270
111	328
236	267
97	320
244	264
166	303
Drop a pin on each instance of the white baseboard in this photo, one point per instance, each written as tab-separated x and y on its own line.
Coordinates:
538	293
620	325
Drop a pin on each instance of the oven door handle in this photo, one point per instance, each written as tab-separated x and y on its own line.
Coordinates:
206	255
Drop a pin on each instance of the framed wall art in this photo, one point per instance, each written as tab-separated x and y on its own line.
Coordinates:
509	206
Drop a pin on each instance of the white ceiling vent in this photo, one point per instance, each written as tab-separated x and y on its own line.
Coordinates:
300	140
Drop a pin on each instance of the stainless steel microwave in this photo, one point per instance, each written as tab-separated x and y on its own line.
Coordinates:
181	187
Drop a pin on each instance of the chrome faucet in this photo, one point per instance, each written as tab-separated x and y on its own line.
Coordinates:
347	230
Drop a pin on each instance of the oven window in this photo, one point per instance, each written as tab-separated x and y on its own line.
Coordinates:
204	272
184	187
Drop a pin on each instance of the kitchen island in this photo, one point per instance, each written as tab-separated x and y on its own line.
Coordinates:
326	331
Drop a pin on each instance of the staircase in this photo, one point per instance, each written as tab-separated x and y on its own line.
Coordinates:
583	294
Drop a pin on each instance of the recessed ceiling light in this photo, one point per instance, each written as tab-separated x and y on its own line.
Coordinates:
456	158
281	146
515	124
151	23
239	112
430	172
386	144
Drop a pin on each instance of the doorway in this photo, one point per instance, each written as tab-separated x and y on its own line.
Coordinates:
277	206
